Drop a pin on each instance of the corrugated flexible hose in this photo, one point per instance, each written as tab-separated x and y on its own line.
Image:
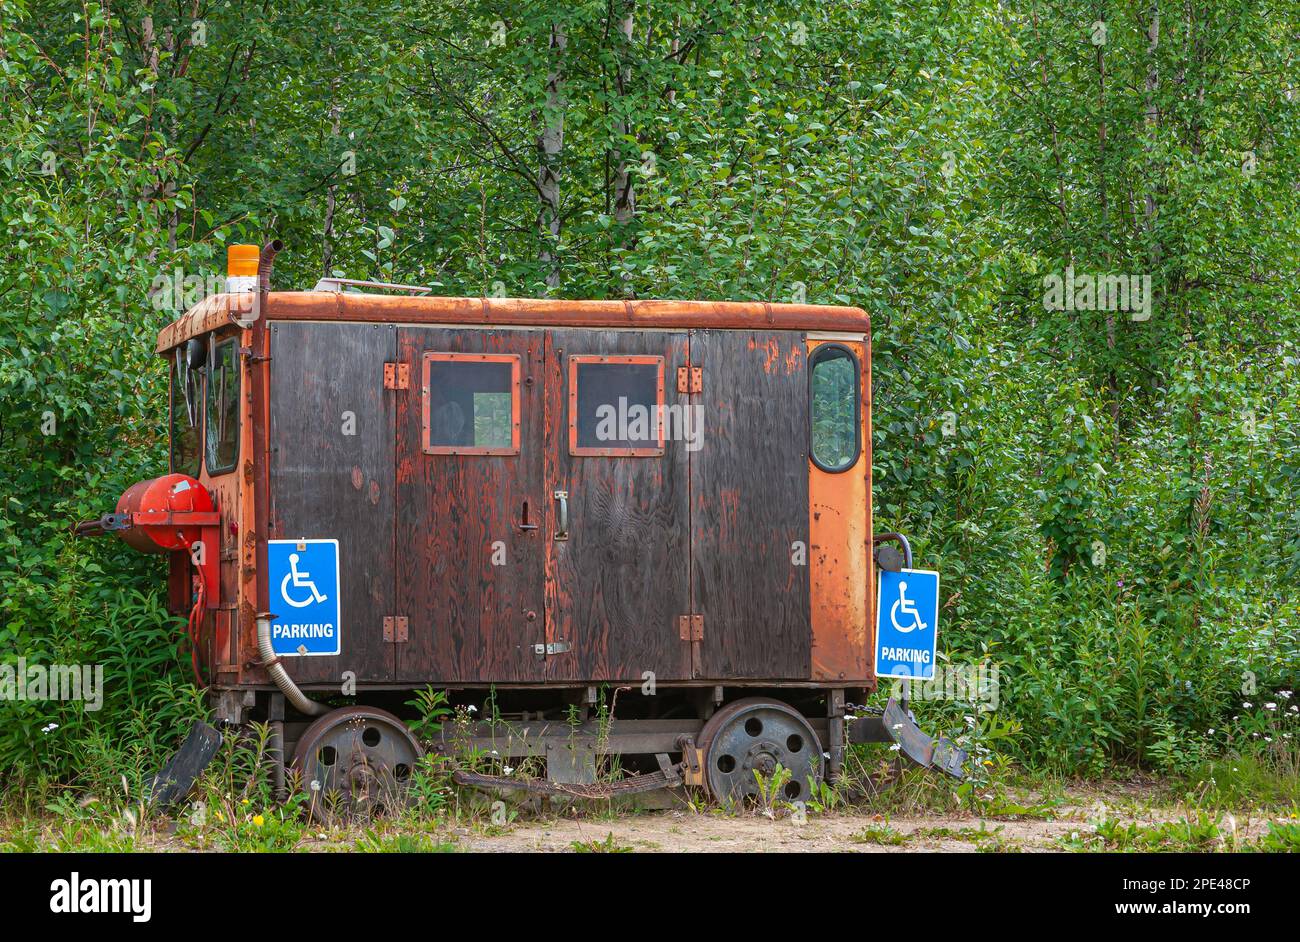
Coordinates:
271	661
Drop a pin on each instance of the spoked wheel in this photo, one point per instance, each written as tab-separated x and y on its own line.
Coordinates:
757	735
357	762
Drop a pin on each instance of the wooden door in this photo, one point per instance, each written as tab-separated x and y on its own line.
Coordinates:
331	439
749	506
470	506
618	568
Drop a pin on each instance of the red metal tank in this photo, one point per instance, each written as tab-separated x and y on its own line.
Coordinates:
159	498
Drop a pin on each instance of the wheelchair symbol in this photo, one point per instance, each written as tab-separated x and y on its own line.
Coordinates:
301	580
909	608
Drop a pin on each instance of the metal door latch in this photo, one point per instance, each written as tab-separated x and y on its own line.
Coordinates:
555	647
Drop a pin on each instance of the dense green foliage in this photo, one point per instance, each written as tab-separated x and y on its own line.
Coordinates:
1110	494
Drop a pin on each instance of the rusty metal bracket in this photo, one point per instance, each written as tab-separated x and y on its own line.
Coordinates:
690	379
903	544
397	376
692	764
897	725
396	628
690	627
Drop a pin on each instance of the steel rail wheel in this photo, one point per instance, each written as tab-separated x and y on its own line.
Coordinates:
757	735
356	762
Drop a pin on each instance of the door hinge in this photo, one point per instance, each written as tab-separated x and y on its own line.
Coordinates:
690	627
690	379
396	628
397	376
554	647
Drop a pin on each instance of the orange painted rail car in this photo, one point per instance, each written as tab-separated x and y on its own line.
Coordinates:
604	528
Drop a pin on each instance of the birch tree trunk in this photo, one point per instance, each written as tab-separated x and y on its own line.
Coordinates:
331	192
1112	379
1152	121
624	192
550	144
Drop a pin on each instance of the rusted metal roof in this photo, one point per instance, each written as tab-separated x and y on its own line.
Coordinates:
218	311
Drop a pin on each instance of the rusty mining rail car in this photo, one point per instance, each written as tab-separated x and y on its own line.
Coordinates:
630	528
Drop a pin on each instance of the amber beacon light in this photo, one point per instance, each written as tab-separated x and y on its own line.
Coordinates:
241	268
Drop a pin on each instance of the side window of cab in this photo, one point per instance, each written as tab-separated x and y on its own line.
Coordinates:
186	419
222	419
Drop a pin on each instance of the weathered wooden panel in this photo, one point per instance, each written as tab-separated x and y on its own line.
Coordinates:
616	586
332	477
749	506
469	575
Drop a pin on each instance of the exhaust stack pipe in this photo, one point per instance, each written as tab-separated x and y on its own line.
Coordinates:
265	265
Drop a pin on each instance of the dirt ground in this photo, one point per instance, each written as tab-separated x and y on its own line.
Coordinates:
1029	820
689	831
686	832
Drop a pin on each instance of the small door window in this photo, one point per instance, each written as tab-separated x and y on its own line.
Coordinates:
616	405
835	403
223	408
471	404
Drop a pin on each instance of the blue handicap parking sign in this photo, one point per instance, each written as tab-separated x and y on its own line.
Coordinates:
304	596
907	623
